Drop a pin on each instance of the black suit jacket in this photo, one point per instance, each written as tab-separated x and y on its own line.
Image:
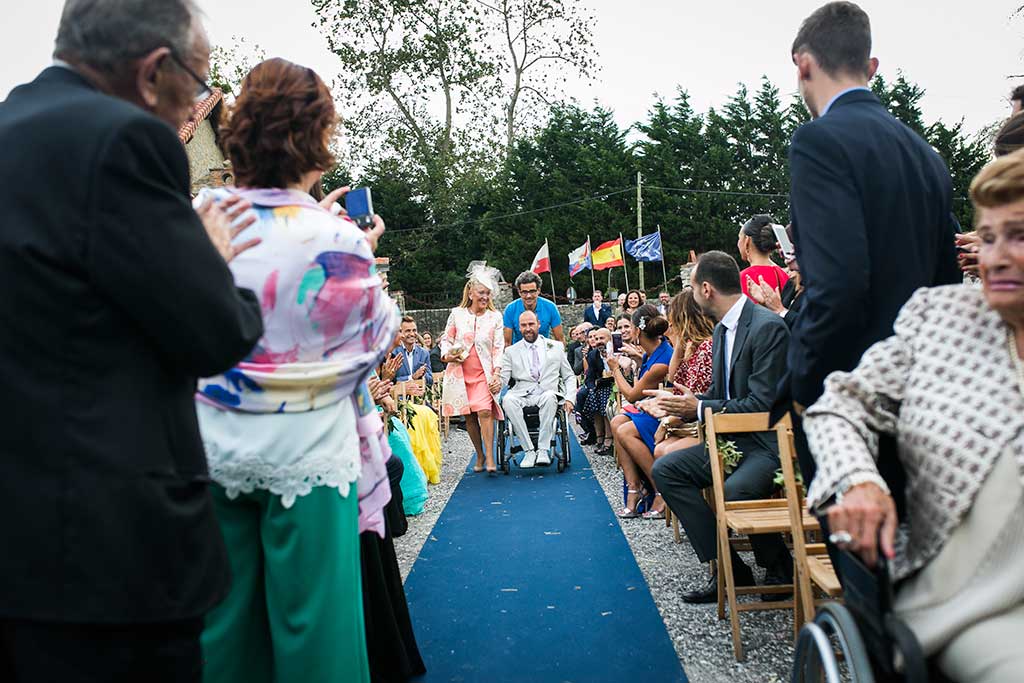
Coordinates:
597	320
114	302
758	363
870	204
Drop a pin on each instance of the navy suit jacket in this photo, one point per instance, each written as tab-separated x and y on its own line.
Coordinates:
597	320
870	204
420	356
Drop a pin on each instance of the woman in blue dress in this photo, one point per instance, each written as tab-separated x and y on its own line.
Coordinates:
634	430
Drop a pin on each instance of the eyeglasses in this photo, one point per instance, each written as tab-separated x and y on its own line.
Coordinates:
204	90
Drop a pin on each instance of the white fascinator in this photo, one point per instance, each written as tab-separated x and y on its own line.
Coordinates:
482	274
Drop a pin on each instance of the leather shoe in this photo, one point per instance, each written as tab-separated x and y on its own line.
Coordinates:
777	576
709	593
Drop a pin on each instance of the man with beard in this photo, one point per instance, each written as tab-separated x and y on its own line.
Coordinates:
750	345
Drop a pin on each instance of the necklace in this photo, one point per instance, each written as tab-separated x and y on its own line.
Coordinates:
1018	363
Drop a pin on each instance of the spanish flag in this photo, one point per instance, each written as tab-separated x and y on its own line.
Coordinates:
608	255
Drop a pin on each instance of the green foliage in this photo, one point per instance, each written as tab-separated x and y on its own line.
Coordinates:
229	65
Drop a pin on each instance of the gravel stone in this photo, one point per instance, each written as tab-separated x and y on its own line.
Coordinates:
702	642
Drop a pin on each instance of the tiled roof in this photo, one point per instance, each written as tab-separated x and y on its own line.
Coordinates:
200	112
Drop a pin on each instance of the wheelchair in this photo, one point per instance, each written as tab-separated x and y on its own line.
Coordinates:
862	641
508	445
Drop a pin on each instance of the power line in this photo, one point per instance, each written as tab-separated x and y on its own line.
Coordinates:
770	195
602	195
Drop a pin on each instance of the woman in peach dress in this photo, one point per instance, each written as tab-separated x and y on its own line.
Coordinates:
472	346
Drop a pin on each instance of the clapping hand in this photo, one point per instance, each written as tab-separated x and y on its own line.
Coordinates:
665	403
419	373
771	298
379	390
967	252
414	389
632	351
219	220
390	369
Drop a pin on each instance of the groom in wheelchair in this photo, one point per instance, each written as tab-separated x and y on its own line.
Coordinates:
538	376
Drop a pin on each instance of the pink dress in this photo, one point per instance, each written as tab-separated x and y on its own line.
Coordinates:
465	384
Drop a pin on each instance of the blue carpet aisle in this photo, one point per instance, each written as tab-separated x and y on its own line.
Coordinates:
527	578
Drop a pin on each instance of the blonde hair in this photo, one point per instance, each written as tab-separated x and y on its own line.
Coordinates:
1001	182
466	303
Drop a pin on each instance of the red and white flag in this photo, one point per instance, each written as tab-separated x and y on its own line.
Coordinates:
542	262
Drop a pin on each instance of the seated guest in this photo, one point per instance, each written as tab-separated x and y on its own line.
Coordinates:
749	346
634	300
690	331
756	243
413	483
598	312
574	352
436	366
415	359
632	353
609	325
528	285
542	375
633	430
599	385
949	387
424	424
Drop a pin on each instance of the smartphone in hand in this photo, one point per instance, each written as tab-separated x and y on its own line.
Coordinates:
359	206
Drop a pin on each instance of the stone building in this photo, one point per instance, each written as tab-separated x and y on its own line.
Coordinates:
206	163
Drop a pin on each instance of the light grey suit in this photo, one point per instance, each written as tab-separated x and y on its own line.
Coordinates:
556	381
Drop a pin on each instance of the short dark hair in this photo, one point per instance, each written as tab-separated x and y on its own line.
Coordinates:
408	319
1010	137
720	270
1017	94
838	36
279	125
528	277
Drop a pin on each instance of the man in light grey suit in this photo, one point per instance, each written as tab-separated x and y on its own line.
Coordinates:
542	374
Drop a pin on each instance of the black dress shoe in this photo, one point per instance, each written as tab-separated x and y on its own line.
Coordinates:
709	593
777	576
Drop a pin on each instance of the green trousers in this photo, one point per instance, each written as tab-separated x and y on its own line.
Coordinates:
295	609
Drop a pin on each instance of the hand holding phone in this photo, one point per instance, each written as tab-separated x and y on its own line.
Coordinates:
359	206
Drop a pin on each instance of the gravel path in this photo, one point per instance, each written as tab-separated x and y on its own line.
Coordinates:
702	642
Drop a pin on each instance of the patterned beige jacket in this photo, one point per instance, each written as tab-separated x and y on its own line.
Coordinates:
945	385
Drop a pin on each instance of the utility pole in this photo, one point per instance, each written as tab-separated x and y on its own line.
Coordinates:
639	224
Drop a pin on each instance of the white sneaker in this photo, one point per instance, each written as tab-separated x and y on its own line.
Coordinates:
529	460
543	458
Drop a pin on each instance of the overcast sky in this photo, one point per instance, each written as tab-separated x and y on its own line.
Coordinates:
960	51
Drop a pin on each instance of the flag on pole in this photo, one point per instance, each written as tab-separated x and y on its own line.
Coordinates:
579	259
541	262
646	248
608	255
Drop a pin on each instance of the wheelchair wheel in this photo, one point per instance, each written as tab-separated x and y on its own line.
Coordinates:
499	448
563	437
815	660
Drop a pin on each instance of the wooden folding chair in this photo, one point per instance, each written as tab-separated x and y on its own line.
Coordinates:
401	393
748	517
812	566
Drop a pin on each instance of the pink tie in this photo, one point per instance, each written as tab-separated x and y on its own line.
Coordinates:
534	363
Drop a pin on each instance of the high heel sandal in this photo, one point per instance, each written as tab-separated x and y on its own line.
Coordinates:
626	512
655	514
605	448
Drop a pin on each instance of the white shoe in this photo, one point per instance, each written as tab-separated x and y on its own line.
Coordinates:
543	458
529	460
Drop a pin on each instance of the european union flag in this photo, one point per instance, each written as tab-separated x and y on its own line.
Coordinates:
646	248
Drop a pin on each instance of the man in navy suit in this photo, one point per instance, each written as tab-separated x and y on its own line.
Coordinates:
415	358
870	205
597	313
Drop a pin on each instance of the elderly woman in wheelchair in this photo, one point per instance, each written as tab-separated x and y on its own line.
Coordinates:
538	376
949	387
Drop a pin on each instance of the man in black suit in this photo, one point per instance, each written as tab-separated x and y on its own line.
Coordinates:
116	297
598	312
749	348
870	204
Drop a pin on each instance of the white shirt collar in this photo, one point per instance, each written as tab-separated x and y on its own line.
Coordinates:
840	94
62	64
731	319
